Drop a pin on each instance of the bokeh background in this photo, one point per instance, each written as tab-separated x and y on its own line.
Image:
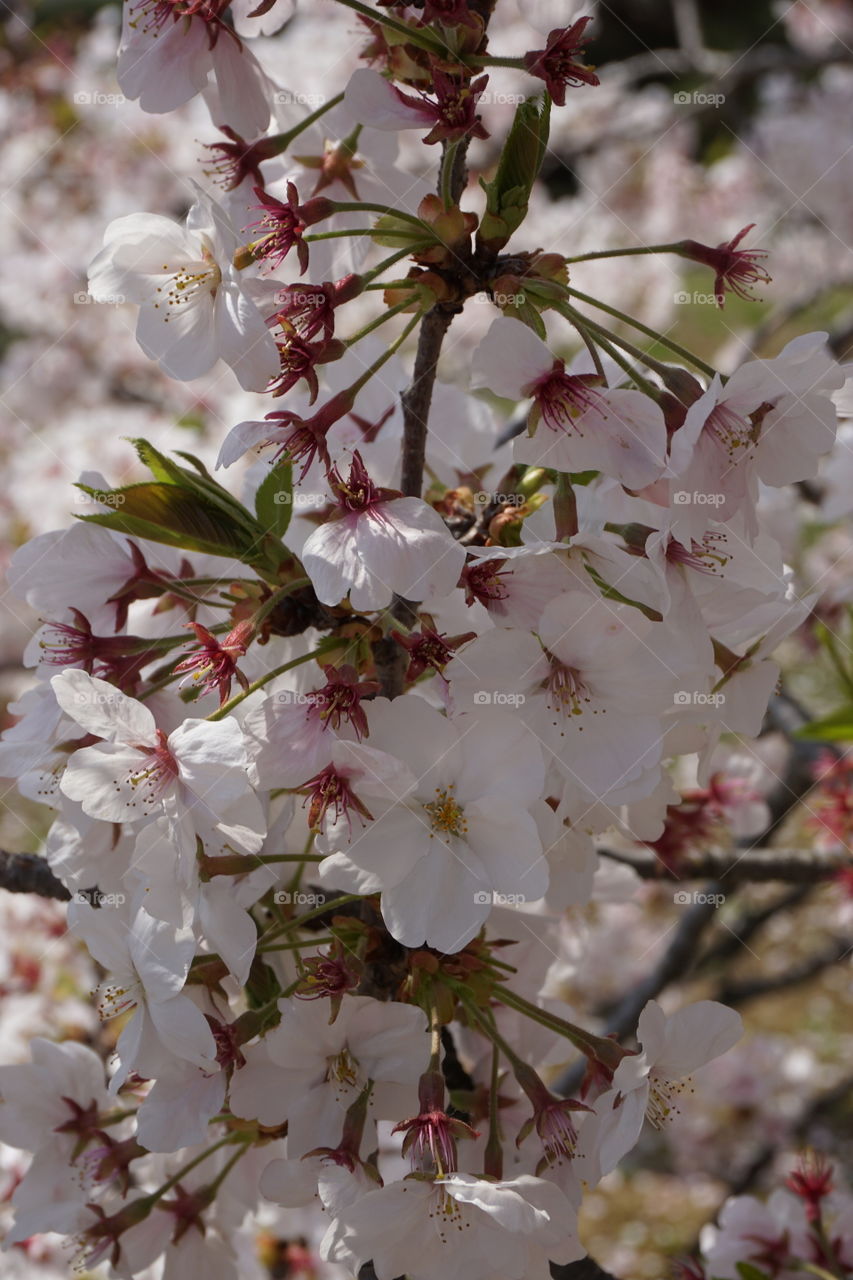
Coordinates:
710	115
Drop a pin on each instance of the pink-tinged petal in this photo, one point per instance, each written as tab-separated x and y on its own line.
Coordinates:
408	547
161	955
246	436
409	728
242	88
183	1030
261	1090
506	840
228	928
181	338
102	709
383	852
100	779
165	68
442	903
179	1108
510	358
620	1127
695	1035
242	338
333	562
373	101
500	735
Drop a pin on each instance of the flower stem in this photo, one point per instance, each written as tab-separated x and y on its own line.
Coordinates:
643	328
626	253
374	324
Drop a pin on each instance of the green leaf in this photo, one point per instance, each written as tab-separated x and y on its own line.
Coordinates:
163	512
749	1271
274	499
835	728
508	193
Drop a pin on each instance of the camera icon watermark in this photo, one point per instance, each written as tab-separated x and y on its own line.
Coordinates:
698	98
497	698
98	99
299	898
688	898
693	698
683	498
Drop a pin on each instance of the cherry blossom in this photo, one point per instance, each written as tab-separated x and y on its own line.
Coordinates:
195	307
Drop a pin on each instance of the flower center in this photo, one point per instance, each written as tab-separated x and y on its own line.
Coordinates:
189	285
567	695
663	1099
342	1068
155	776
446	815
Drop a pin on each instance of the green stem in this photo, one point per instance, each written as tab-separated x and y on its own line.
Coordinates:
593	1046
361	206
275	599
643	328
188	1168
602	337
486	60
445	183
297	946
374	324
626	253
383	266
327	646
286	138
420	37
217	1182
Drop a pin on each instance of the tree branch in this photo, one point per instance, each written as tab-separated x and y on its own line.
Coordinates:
30	873
791	866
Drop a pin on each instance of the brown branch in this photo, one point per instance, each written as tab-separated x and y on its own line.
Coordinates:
30	873
389	657
791	866
734	993
676	961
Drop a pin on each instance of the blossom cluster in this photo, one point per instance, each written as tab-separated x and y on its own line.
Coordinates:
328	748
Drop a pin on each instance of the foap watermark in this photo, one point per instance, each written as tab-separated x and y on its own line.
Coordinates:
284	498
698	98
300	297
484	499
491	896
97	495
96	98
684	498
695	897
496	698
83	299
94	898
693	698
287	98
290	698
685	298
496	99
299	898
